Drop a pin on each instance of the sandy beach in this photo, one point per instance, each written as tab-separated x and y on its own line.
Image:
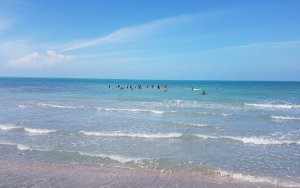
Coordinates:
24	174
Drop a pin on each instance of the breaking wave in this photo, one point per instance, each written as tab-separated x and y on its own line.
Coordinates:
58	106
22	147
7	127
272	105
192	124
133	135
285	118
251	140
256	179
119	158
42	105
38	131
134	110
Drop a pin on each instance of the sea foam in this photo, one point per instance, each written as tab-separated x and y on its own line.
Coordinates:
131	110
7	127
133	135
59	106
285	118
119	158
192	124
256	179
251	140
272	105
38	131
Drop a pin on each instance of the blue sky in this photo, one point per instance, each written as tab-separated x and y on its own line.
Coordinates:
151	39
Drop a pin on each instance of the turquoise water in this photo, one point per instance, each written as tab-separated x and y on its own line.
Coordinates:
247	130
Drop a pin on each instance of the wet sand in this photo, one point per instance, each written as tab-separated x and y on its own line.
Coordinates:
24	174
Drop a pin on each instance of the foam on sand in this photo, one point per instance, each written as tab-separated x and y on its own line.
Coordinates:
256	179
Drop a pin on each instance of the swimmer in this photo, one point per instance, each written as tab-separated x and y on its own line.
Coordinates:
203	93
192	88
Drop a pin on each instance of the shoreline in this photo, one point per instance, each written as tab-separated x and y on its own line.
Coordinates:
28	174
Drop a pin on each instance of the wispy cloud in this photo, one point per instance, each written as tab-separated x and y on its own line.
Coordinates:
36	60
15	48
259	45
135	32
107	54
4	24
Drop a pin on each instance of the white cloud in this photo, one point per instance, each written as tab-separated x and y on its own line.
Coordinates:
135	32
36	60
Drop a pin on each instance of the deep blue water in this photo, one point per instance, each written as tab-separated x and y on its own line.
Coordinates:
248	130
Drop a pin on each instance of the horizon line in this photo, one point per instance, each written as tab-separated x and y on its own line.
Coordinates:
150	79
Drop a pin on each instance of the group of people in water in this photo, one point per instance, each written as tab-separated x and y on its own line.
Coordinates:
152	86
139	87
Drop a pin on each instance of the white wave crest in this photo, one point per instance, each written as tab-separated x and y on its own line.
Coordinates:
132	110
285	118
23	147
38	131
119	158
252	140
58	106
193	124
273	105
256	179
7	143
135	135
22	106
7	127
226	114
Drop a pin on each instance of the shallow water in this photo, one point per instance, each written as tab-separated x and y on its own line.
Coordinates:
249	131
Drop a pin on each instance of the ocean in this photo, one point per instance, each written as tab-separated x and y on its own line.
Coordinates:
246	130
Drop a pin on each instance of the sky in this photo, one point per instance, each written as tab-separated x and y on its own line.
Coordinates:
151	39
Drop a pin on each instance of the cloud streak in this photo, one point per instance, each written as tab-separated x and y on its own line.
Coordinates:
36	60
257	45
135	32
271	44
